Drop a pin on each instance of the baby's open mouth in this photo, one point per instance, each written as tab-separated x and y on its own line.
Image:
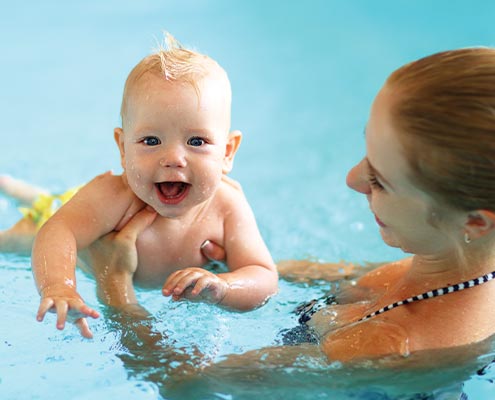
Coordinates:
172	192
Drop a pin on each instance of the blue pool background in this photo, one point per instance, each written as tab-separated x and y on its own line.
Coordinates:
303	75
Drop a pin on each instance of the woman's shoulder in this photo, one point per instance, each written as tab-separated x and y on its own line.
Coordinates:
385	274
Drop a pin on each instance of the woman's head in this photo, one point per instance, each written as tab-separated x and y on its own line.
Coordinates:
429	172
444	110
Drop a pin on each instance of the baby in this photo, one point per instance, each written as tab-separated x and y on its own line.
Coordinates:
175	149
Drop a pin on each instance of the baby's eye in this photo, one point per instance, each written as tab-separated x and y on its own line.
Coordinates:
151	141
196	141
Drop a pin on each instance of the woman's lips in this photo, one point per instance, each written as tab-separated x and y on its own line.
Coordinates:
379	222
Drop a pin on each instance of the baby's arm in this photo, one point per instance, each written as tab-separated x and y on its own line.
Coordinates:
76	225
253	277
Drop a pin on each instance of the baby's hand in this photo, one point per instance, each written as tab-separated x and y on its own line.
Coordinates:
195	284
68	305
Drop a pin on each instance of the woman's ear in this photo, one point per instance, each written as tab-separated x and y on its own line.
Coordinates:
233	142
118	135
479	223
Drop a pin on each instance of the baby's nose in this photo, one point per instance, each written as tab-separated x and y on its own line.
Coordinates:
173	157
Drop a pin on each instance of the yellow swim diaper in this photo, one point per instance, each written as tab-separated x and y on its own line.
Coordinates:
46	205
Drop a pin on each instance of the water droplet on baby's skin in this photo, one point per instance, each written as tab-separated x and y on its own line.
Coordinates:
69	282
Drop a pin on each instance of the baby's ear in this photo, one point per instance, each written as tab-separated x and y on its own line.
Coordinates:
233	142
118	135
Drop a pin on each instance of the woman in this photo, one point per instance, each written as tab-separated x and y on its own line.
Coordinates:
429	179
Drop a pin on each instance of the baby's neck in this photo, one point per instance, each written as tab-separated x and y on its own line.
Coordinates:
191	215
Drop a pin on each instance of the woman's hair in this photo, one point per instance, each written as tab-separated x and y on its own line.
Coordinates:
173	62
444	108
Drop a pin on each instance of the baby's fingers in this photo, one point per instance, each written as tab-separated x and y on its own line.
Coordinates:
88	311
83	327
170	286
59	306
180	281
211	289
77	313
71	310
45	306
77	310
62	308
201	284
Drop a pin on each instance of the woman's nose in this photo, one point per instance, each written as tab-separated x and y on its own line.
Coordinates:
357	178
173	157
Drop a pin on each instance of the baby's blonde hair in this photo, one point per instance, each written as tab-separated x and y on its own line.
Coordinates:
174	63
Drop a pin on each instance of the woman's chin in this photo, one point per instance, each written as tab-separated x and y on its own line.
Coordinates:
389	239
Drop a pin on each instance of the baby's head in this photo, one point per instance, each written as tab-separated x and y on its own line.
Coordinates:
175	142
176	64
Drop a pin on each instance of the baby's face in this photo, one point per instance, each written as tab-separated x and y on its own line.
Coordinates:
173	144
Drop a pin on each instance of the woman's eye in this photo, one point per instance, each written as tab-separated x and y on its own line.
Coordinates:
151	141
196	141
374	182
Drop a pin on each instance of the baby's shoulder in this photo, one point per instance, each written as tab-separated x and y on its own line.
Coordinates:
108	188
230	191
109	182
230	199
230	184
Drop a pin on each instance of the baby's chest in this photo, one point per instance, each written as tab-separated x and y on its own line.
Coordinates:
164	249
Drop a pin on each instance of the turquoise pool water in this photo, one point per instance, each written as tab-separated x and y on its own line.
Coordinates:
303	76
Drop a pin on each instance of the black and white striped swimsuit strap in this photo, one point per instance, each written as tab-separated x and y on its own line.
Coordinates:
435	293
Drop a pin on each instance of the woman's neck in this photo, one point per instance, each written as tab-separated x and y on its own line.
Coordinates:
473	260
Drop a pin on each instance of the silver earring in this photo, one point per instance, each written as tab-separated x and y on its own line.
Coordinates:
467	239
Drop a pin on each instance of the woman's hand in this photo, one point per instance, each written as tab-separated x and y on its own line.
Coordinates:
114	260
213	251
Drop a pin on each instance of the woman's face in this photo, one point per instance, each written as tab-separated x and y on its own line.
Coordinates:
408	217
